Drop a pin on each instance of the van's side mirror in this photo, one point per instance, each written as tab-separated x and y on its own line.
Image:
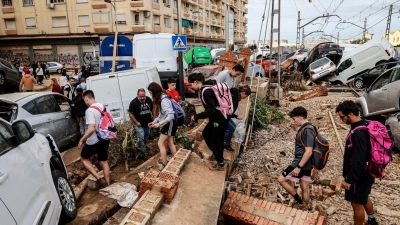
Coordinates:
22	130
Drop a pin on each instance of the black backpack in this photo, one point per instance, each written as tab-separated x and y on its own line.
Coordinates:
320	155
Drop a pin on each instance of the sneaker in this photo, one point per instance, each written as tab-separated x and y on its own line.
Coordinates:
229	148
169	152
371	222
218	167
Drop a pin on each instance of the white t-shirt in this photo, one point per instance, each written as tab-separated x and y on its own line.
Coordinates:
93	117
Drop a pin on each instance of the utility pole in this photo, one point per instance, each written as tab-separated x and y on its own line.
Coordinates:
298	31
302	37
181	75
115	35
388	22
364	31
338	37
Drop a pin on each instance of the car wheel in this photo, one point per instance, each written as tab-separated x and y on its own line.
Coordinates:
2	78
66	194
358	84
59	71
258	74
295	64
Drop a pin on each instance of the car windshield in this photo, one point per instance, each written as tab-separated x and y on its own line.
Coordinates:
319	63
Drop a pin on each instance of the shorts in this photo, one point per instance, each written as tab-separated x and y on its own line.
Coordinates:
359	192
304	175
100	148
170	128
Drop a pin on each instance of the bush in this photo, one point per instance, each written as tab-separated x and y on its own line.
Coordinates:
265	114
115	149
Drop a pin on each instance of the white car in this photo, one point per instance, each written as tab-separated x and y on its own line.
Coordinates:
261	52
34	186
298	56
321	68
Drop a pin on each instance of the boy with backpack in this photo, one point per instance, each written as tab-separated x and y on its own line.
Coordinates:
358	166
301	168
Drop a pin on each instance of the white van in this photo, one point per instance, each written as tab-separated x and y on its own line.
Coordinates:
116	90
346	48
363	58
156	50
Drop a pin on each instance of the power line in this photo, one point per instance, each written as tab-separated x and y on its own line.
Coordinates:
371	26
295	5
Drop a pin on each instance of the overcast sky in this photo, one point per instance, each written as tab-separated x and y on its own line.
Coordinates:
354	11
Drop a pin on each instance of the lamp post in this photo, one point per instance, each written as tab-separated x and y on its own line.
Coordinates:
194	36
116	35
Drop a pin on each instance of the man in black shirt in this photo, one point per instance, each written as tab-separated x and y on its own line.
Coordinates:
357	180
140	113
301	168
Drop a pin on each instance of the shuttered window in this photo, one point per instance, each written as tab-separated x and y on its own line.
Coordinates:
101	17
30	22
10	24
121	18
81	1
59	21
83	20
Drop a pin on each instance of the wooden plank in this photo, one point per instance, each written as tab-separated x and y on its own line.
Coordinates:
337	133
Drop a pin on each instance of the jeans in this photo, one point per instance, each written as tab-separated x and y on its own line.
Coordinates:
229	132
143	135
40	79
82	124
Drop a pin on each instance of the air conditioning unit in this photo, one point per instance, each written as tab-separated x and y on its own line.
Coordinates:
50	5
147	14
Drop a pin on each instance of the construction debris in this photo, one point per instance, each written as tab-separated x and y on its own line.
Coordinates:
321	91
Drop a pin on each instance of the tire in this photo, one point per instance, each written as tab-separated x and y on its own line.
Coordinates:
67	196
59	71
296	65
358	83
258	74
2	78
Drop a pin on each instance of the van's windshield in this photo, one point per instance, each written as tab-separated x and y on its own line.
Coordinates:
345	65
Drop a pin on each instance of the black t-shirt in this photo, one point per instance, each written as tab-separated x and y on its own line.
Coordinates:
305	137
141	111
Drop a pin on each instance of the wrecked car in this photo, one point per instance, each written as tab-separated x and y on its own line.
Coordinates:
48	113
268	65
321	68
366	79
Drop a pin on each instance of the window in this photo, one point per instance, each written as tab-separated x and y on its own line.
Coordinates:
156	20
30	22
166	22
381	81
319	63
207	14
207	29
59	21
31	108
121	18
176	25
10	24
27	2
83	20
57	1
223	32
395	76
63	103
377	70
200	12
101	17
46	104
397	39
201	27
155	1
345	65
4	144
81	1
175	4
7	2
213	29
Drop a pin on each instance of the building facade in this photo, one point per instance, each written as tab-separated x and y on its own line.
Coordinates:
394	38
67	30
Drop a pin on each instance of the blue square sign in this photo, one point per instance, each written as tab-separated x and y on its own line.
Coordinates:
179	43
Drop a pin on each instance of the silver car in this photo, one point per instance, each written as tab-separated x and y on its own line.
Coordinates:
54	67
48	113
258	70
383	95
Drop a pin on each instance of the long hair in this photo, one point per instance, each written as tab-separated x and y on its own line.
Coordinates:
55	81
156	92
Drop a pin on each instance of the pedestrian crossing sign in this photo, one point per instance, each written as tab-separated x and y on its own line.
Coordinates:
179	43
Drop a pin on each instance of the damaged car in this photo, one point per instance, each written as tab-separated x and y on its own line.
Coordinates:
366	79
48	113
321	68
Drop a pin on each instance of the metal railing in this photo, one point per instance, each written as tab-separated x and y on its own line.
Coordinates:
7	2
27	2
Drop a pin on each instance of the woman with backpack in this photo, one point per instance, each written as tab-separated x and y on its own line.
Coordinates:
214	131
164	114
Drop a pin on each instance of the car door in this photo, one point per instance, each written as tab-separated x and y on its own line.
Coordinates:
24	187
33	117
377	96
393	90
53	118
12	75
373	74
66	119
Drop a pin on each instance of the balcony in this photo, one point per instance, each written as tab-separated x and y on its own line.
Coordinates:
236	17
214	35
207	4
186	14
101	29
137	4
207	20
156	5
7	9
11	31
156	28
214	22
175	11
246	1
187	31
194	17
245	20
200	2
194	2
141	27
100	5
245	10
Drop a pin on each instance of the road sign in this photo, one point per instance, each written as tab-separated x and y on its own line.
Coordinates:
179	43
124	52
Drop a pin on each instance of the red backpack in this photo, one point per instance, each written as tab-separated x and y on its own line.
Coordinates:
106	129
381	147
224	98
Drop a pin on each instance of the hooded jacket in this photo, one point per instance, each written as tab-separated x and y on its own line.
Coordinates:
28	81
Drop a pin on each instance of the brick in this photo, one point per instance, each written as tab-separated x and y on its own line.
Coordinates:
321	220
251	219
268	206
276	223
338	189
264	203
297	217
328	192
170	195
235	212
168	176
259	203
315	215
293	212
255	220
287	211
277	208
303	215
271	223
282	209
301	222
333	184
273	206
149	203
235	194
135	217
238	197
242	198
310	219
247	217
246	199
261	221
254	202
231	194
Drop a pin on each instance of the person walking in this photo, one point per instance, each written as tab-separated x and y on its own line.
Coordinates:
171	91
25	70
164	114
69	89
79	108
357	180
237	94
84	73
27	82
90	143
75	75
21	69
62	80
40	74
301	168
46	71
214	131
82	84
34	67
140	113
228	76
55	87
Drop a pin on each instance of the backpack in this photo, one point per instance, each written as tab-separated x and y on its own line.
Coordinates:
78	106
106	129
381	147
179	112
224	98
320	155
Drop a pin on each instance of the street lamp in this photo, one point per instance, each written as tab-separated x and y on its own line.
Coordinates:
116	34
194	36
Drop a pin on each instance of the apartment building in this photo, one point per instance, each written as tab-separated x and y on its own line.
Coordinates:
67	30
394	38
